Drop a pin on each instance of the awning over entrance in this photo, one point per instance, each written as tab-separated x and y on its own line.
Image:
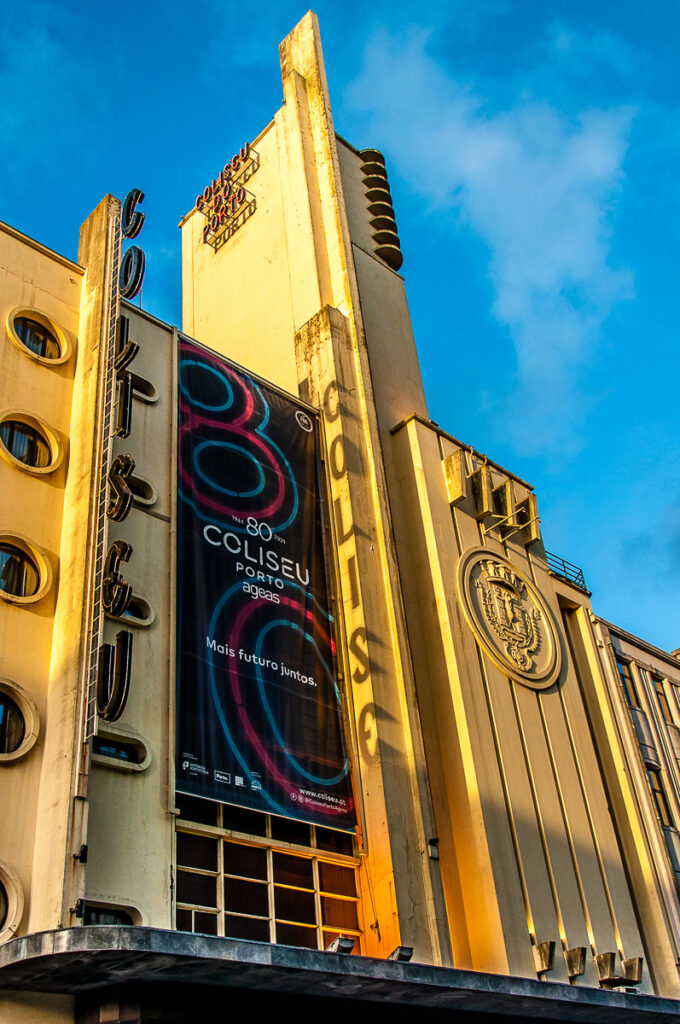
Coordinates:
90	962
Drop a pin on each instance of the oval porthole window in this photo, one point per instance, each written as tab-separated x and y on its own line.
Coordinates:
19	575
11	902
12	725
19	723
25	443
36	337
4	906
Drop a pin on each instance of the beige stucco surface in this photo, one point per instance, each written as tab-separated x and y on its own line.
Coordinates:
32	506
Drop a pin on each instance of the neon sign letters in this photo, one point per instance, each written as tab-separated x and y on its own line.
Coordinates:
226	203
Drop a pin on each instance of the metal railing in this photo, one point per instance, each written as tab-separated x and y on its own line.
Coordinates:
567	570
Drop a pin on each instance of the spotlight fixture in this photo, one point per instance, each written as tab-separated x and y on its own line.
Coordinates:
402	954
341	944
433	848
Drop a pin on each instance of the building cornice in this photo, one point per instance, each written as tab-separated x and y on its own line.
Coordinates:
88	959
39	247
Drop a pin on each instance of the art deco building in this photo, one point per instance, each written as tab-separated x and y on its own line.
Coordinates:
643	690
284	665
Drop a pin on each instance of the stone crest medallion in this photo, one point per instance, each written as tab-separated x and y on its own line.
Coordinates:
509	618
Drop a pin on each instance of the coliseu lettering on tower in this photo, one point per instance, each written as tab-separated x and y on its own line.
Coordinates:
113	662
133	263
225	202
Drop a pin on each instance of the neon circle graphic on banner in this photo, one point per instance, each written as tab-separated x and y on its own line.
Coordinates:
216	373
240	451
285	781
268	711
243	430
218	703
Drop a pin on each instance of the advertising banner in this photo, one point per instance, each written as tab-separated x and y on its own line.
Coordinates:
258	704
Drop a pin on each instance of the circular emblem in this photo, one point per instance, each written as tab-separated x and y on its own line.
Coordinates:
509	618
304	421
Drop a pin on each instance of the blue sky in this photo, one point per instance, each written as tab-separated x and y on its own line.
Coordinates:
533	149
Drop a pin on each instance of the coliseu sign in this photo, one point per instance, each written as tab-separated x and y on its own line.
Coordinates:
225	202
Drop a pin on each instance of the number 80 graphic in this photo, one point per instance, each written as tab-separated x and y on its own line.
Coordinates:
228	465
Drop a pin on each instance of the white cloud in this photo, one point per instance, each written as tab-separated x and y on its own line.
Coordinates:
537	186
592	50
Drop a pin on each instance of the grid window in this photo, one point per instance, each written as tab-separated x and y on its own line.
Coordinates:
245	861
293	871
246	875
294	935
253	928
197	851
340	914
200	890
241	897
197	921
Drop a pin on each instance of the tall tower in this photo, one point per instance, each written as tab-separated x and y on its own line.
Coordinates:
471	663
305	293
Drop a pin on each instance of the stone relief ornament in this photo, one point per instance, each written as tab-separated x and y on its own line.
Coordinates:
509	618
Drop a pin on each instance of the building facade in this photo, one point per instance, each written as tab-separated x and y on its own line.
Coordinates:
642	684
507	836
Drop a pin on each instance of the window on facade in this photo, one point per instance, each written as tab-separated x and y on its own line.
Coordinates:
18	574
36	337
660	799
25	443
12	725
120	751
657	683
628	684
105	915
675	690
255	876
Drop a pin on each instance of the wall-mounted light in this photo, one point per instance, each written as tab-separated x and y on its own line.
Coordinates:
402	954
575	959
544	956
78	910
342	944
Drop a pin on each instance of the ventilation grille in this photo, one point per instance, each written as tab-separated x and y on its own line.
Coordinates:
383	224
